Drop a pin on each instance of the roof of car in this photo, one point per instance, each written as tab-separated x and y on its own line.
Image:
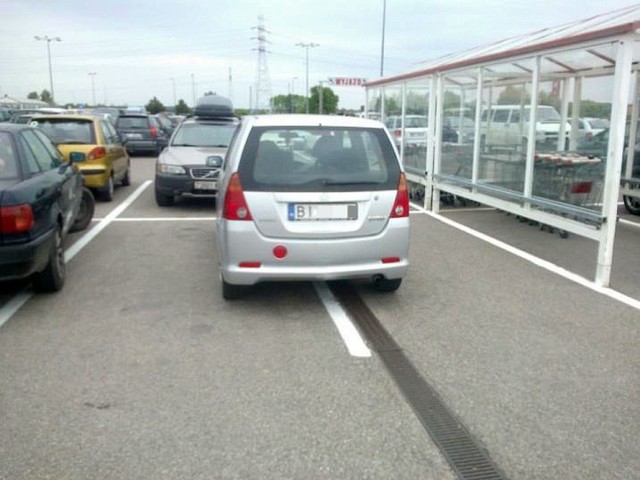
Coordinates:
70	116
12	127
303	120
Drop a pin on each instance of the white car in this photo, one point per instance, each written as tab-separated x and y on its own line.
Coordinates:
339	210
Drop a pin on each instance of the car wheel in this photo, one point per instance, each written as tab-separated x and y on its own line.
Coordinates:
230	291
632	204
51	279
387	284
126	180
163	200
85	213
106	193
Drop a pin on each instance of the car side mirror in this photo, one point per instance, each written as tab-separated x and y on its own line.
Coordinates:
215	161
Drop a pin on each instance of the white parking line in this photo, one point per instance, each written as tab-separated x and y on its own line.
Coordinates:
22	297
349	333
629	222
609	292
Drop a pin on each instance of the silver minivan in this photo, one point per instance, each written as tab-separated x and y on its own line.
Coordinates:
311	197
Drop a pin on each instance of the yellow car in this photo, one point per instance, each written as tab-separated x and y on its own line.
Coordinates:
93	145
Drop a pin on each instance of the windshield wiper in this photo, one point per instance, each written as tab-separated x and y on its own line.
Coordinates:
184	145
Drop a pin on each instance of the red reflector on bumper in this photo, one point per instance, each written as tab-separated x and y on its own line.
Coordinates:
390	259
250	264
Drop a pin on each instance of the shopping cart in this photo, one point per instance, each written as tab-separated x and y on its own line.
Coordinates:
568	178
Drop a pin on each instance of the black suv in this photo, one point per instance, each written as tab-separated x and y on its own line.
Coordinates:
141	133
190	165
41	199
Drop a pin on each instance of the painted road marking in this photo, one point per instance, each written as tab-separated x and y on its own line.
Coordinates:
609	292
23	296
349	333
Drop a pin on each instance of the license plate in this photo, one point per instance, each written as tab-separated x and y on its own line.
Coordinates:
205	185
322	211
134	136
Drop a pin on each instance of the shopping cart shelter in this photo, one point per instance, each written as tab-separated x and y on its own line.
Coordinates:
537	125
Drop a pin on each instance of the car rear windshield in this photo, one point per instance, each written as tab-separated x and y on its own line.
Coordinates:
64	131
133	122
8	159
415	122
204	135
318	159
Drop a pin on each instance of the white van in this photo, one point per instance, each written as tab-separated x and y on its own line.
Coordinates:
508	126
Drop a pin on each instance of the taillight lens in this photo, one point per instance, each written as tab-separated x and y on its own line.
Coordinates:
153	131
401	205
16	219
235	205
97	153
397	133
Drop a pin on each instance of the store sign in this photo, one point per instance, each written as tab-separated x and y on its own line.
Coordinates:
347	81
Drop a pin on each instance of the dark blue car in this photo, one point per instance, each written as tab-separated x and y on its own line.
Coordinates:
41	199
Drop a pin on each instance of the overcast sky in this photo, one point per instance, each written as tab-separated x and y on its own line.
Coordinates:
136	47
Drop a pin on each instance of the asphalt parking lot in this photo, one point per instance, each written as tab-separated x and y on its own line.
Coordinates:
139	369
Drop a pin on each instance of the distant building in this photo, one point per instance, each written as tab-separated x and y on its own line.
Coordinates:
21	104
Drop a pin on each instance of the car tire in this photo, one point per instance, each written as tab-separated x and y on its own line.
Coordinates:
632	204
126	180
106	192
231	291
51	279
163	200
387	284
86	211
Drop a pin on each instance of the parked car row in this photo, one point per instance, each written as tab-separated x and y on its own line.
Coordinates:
42	198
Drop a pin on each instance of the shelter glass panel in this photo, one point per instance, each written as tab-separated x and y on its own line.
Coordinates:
506	97
416	127
374	103
576	177
458	125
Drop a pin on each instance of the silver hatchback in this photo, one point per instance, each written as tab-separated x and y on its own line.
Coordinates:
307	197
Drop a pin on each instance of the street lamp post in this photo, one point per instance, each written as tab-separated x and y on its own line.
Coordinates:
47	39
292	93
93	87
193	88
307	46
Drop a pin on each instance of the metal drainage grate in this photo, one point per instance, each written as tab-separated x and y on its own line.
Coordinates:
467	458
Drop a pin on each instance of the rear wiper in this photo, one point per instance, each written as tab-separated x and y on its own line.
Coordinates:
184	145
327	181
71	143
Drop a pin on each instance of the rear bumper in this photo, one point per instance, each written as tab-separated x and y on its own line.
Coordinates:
94	176
318	259
20	261
142	146
176	185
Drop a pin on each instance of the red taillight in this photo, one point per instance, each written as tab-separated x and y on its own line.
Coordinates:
401	205
97	153
250	264
235	206
153	131
16	219
391	260
397	133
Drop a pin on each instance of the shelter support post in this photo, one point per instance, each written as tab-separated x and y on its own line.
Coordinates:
476	134
633	126
437	133
531	134
564	113
403	89
431	122
575	113
620	100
